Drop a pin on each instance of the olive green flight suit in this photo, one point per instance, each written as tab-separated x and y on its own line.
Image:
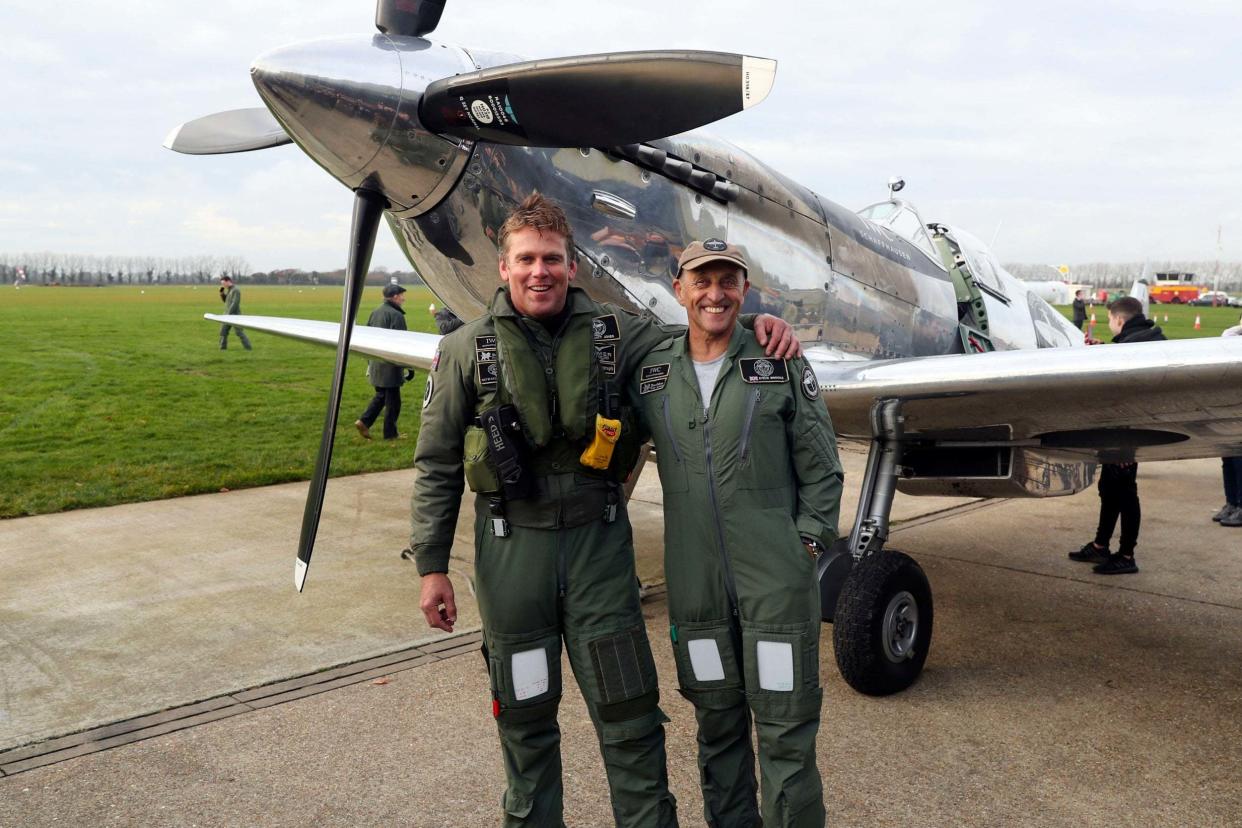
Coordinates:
564	572
232	307
744	485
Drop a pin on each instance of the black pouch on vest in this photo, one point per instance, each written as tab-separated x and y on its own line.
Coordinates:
507	448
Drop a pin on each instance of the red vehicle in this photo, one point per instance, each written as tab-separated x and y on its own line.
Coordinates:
1175	288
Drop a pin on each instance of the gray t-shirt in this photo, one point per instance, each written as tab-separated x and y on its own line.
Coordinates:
707	373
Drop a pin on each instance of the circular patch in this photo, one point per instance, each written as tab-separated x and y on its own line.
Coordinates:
764	368
714	245
427	393
482	112
810	385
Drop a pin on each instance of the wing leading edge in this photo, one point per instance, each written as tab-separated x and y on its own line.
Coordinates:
1163	400
409	348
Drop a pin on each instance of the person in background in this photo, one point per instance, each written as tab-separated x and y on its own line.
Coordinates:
1118	486
385	377
1080	310
230	295
1231	470
447	321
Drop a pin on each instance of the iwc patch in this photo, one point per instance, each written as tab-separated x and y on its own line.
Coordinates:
763	370
653	378
485	348
605	328
810	385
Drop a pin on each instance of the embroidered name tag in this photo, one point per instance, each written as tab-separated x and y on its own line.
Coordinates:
485	348
763	370
653	378
605	328
606	355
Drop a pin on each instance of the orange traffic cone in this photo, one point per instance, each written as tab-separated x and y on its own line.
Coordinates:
1197	323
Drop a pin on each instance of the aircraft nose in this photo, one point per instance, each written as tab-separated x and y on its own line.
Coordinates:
351	103
337	98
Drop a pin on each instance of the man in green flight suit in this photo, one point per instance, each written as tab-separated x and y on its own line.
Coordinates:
525	403
385	377
752	489
230	295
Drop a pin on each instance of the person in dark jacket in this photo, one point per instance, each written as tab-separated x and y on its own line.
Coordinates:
230	295
1080	310
385	377
1118	486
447	321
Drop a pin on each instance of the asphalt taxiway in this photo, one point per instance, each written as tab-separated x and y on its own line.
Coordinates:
157	668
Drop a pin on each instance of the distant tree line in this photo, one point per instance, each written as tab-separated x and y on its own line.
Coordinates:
1123	274
91	270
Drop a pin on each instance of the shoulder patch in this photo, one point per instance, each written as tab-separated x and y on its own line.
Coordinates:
606	328
810	385
485	348
653	378
435	361
763	370
487	373
427	393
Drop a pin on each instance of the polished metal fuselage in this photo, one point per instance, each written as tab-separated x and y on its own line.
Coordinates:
851	289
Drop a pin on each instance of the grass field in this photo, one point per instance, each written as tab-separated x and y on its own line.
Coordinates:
120	394
1179	325
112	395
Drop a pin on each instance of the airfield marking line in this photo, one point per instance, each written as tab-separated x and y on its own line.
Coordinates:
947	512
140	728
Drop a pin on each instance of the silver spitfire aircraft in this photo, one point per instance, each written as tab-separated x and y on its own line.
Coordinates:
961	380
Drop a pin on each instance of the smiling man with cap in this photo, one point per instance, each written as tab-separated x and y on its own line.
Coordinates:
385	377
752	489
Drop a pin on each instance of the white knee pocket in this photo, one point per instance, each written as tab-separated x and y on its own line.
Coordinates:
776	665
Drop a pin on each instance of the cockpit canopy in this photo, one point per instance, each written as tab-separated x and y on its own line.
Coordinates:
902	219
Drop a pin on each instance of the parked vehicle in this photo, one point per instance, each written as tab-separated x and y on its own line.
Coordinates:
1215	298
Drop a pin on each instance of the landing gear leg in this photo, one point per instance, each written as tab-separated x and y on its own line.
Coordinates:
879	602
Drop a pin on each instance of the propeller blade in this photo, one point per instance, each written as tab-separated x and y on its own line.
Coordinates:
596	100
237	130
411	18
368	207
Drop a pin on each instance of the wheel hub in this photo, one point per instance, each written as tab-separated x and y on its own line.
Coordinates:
901	626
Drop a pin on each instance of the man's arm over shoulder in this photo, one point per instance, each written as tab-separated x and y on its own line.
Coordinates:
815	459
448	408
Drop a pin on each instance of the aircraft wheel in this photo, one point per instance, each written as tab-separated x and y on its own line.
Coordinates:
883	624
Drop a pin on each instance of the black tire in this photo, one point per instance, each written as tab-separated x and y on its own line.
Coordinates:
883	624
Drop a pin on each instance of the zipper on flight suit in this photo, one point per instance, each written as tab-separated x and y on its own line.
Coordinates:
727	565
751	405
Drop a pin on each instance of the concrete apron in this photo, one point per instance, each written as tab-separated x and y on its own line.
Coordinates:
1051	696
110	613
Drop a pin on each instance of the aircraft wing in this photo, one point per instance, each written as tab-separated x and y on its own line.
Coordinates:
1165	400
408	348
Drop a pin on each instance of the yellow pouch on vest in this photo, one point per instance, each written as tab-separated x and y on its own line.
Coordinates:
598	455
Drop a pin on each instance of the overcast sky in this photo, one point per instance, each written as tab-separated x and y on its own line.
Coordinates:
1066	131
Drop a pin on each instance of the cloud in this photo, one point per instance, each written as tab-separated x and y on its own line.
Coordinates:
1099	128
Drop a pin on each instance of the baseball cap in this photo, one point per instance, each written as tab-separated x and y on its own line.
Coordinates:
392	290
700	253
